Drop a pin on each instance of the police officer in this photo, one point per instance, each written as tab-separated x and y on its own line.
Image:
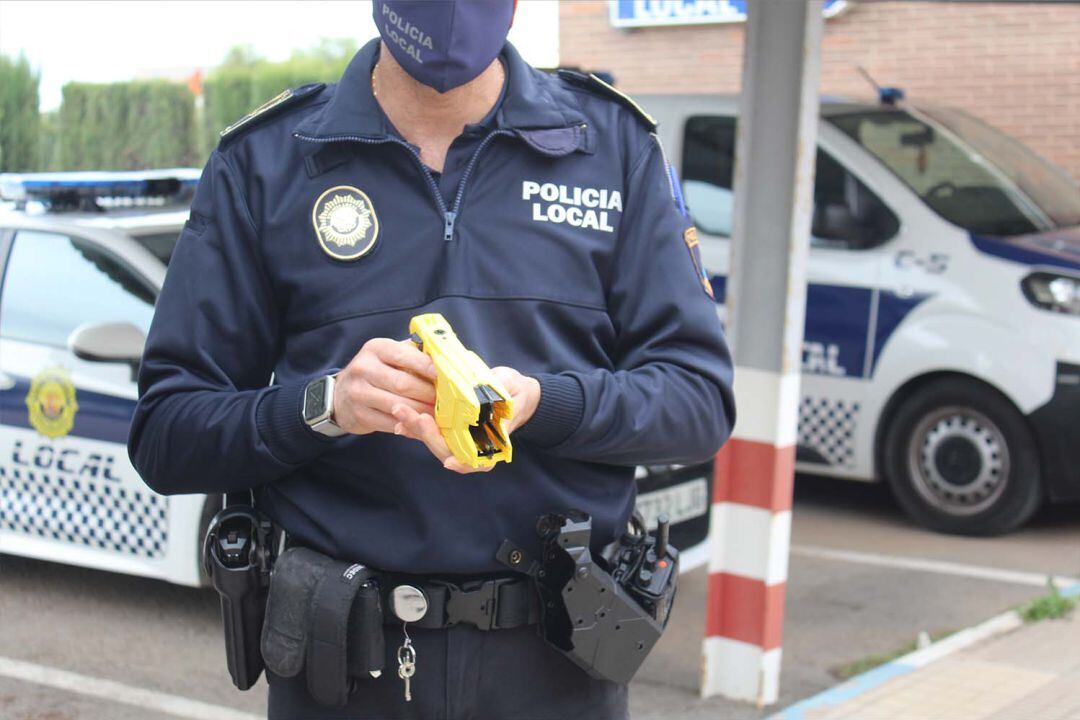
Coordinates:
537	213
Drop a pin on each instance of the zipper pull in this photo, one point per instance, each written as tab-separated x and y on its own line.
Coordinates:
448	227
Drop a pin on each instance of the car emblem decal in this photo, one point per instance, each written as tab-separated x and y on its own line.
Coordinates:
51	402
345	223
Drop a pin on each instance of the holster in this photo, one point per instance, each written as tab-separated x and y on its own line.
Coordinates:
604	612
237	556
326	616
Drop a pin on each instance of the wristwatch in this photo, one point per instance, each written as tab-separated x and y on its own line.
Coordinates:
318	411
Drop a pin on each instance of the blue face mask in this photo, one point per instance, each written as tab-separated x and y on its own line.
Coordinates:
446	43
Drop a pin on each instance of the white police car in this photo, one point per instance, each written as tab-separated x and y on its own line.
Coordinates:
79	284
942	345
82	258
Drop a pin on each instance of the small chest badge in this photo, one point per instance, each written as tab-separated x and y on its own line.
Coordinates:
345	223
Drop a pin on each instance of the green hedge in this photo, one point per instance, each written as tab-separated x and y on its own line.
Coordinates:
243	82
127	126
19	120
145	124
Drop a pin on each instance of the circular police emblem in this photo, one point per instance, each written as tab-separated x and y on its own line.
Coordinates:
345	223
51	402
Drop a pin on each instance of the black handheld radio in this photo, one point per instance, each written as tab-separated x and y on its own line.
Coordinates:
238	554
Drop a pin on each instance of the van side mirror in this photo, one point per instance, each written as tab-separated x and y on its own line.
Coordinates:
119	342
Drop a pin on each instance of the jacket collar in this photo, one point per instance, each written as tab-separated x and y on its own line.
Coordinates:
533	101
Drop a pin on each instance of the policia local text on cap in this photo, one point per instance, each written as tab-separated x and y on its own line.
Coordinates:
536	213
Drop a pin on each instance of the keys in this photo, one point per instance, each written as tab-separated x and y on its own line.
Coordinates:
406	658
410	605
405	672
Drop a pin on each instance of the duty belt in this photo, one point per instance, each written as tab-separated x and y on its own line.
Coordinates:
499	603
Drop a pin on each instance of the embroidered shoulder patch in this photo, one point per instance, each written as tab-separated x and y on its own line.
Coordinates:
691	239
598	86
273	106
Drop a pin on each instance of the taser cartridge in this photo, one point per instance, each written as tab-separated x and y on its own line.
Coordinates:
472	408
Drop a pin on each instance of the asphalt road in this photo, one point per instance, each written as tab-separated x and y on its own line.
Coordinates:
862	580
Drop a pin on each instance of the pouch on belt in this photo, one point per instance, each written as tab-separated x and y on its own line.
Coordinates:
324	615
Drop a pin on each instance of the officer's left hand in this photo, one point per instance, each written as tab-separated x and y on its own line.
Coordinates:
524	392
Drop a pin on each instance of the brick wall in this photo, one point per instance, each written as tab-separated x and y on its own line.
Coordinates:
1015	66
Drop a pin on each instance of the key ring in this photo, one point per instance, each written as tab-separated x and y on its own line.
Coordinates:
406	654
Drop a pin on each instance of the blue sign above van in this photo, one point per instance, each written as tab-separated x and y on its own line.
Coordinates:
648	13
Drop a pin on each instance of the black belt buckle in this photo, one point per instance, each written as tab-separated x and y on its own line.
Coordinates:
478	606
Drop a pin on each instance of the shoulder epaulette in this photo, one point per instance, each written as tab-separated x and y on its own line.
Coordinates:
274	105
598	86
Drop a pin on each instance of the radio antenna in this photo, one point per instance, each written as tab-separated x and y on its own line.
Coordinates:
886	95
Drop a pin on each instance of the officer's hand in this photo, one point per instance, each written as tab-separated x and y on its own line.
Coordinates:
422	427
524	392
383	375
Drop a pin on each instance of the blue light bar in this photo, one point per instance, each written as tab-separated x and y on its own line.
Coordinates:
76	188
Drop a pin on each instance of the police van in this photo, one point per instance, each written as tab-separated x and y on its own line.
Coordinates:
942	336
82	259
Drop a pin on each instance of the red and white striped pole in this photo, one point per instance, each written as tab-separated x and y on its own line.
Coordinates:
751	528
750	525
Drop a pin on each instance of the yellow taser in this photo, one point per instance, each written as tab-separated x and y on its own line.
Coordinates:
472	408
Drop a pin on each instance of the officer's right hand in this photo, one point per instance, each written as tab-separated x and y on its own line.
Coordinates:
384	374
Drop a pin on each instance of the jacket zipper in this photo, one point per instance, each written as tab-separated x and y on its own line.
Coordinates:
459	197
450	214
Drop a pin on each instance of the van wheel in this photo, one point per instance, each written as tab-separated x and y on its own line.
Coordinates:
960	459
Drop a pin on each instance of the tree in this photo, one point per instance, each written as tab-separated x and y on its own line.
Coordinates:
19	122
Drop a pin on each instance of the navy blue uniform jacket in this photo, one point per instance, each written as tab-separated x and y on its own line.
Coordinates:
561	254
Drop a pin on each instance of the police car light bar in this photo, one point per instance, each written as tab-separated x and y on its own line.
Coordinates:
80	189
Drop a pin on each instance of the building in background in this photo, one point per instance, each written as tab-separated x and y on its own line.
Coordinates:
1015	65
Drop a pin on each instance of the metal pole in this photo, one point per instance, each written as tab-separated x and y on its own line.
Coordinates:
766	302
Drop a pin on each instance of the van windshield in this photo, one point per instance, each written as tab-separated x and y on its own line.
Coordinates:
971	174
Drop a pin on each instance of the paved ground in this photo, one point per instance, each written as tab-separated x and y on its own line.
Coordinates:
1031	672
165	639
841	611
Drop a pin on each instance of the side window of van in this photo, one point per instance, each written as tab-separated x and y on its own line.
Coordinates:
847	214
708	163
